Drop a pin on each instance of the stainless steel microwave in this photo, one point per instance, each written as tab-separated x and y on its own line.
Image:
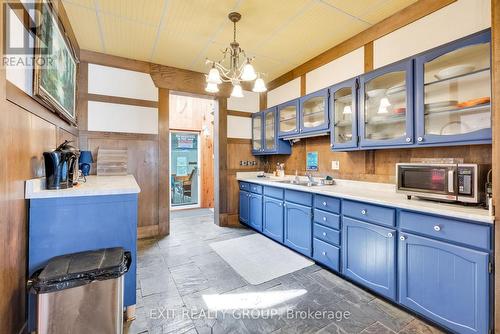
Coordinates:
443	182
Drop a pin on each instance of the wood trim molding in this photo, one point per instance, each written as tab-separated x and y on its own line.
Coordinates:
239	113
368	50
239	141
163	162
303	85
144	232
82	80
122	100
17	96
263	100
118	135
114	61
398	20
495	80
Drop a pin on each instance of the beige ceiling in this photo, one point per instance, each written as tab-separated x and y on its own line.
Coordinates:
281	34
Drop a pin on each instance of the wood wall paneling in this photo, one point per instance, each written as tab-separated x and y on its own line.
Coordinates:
239	113
163	162
114	61
495	48
405	16
121	100
368	49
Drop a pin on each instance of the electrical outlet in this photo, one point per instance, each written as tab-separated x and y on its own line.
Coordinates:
244	163
335	164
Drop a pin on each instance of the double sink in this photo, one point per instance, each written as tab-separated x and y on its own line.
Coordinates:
301	183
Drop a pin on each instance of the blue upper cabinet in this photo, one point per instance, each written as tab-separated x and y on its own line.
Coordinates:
343	115
453	89
386	106
314	118
446	283
288	118
264	134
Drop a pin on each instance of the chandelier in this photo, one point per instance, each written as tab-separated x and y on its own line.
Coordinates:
239	68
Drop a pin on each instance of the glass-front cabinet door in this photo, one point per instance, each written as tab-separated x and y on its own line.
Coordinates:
257	132
453	92
343	111
270	130
314	112
288	113
386	106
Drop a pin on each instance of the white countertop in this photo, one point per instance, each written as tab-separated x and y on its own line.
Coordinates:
95	186
376	193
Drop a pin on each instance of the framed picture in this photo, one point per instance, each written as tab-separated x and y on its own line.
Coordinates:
312	161
55	72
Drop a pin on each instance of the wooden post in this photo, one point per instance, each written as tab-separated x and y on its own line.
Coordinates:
163	163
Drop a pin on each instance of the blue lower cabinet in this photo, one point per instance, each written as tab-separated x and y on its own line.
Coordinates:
326	254
298	228
446	283
244	206
273	219
255	211
369	256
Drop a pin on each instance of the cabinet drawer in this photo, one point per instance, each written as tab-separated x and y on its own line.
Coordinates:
370	213
326	254
245	186
298	197
327	219
273	192
327	203
326	234
448	229
256	188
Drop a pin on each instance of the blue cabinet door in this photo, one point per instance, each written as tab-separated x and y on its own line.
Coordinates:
445	283
244	207
298	228
273	221
453	123
386	106
288	118
255	212
369	257
314	116
344	115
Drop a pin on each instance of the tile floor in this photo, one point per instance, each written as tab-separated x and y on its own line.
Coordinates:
178	274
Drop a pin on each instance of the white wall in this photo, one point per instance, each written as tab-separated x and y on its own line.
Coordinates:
284	93
113	81
239	127
249	102
454	21
338	70
114	117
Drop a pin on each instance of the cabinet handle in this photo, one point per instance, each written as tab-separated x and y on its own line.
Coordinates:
324	219
324	203
323	253
437	228
324	234
389	235
408	139
284	204
363	212
331	145
420	139
281	204
402	238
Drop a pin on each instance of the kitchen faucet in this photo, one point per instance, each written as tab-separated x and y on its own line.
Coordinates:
309	175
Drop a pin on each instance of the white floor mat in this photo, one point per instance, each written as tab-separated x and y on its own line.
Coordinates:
258	259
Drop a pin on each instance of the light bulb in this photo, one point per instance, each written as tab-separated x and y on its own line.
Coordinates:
347	110
259	86
212	88
384	104
237	91
248	73
214	76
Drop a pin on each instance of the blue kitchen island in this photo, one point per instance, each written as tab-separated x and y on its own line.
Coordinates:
99	213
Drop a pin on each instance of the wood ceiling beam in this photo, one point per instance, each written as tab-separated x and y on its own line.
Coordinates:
398	20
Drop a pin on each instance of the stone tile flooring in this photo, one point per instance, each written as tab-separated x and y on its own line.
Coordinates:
179	274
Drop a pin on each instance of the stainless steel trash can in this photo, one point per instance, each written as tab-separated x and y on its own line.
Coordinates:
81	292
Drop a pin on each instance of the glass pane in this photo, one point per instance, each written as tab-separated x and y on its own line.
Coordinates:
342	104
184	168
457	91
385	106
431	179
269	131
257	133
288	119
313	111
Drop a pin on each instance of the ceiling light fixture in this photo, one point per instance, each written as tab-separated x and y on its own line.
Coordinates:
240	67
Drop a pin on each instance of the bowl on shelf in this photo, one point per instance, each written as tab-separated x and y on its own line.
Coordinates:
474	102
454	71
399	111
376	92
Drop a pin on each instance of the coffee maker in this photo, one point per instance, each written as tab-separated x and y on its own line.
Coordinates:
61	166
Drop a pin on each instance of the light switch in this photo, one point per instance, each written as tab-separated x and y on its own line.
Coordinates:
335	164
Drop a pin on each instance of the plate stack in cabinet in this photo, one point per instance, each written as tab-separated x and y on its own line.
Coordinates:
326	231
